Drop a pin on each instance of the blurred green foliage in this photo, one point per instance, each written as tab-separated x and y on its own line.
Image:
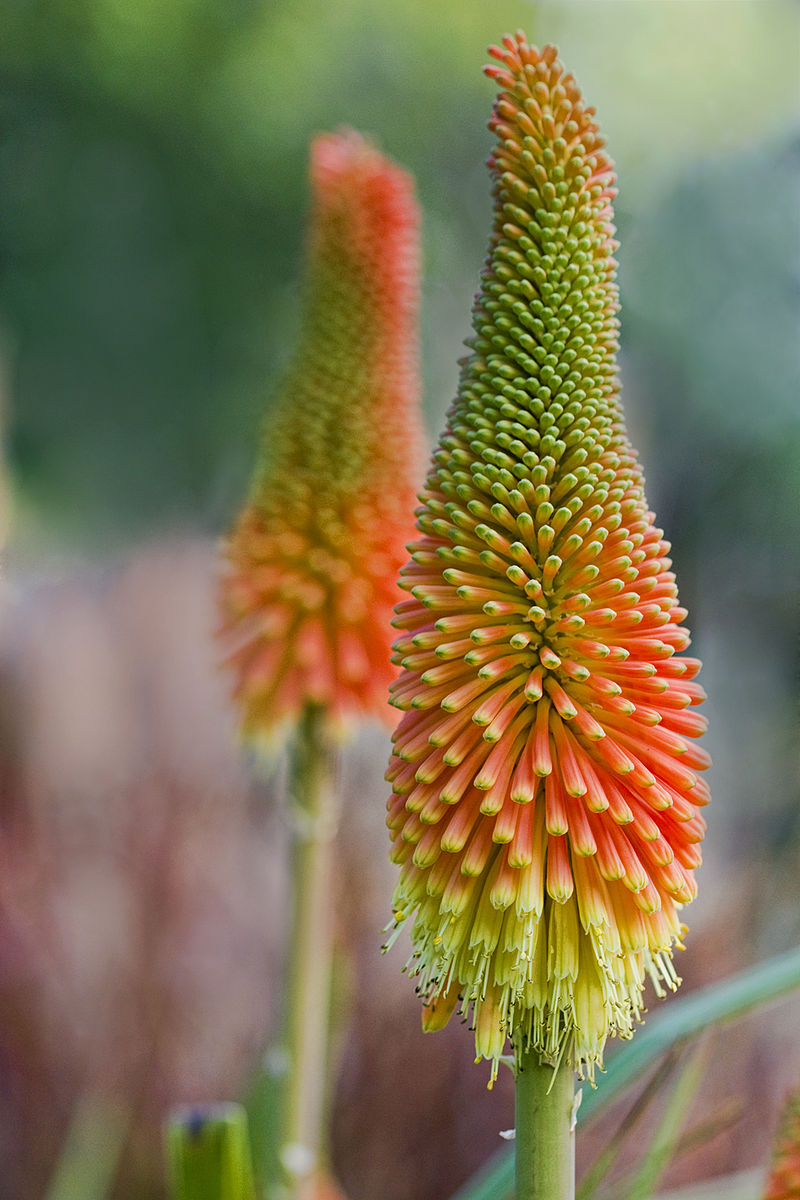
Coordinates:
153	184
152	187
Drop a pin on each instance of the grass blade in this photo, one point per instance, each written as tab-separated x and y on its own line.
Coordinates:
723	1001
671	1124
605	1160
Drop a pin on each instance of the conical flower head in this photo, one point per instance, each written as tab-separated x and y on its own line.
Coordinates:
783	1182
546	806
313	559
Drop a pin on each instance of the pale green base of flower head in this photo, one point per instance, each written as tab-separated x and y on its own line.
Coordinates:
549	980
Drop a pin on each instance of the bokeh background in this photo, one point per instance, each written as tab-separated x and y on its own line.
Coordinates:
152	192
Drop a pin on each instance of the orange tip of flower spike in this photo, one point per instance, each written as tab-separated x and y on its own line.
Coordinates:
546	804
311	564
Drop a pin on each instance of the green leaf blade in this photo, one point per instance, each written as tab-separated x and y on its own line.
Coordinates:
718	1002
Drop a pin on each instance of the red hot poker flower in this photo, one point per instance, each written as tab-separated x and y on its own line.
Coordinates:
545	807
312	560
783	1182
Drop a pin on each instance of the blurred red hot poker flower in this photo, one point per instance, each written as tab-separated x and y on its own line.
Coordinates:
545	802
783	1182
313	559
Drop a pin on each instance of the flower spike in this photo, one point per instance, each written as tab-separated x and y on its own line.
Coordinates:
545	807
313	559
783	1180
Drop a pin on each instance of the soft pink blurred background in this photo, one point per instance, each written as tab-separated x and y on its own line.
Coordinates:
142	898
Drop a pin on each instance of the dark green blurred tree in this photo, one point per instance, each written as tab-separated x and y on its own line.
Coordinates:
133	260
151	179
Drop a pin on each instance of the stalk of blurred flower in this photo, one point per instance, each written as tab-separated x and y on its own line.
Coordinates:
545	807
783	1181
313	559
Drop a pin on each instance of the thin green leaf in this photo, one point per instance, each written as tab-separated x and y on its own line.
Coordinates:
208	1153
731	1110
723	1001
727	1114
668	1132
605	1160
741	1185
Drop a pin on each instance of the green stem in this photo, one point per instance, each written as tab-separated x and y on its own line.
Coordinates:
545	1130
91	1152
303	1049
208	1154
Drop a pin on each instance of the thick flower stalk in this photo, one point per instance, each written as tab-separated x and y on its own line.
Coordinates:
313	559
545	807
783	1182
